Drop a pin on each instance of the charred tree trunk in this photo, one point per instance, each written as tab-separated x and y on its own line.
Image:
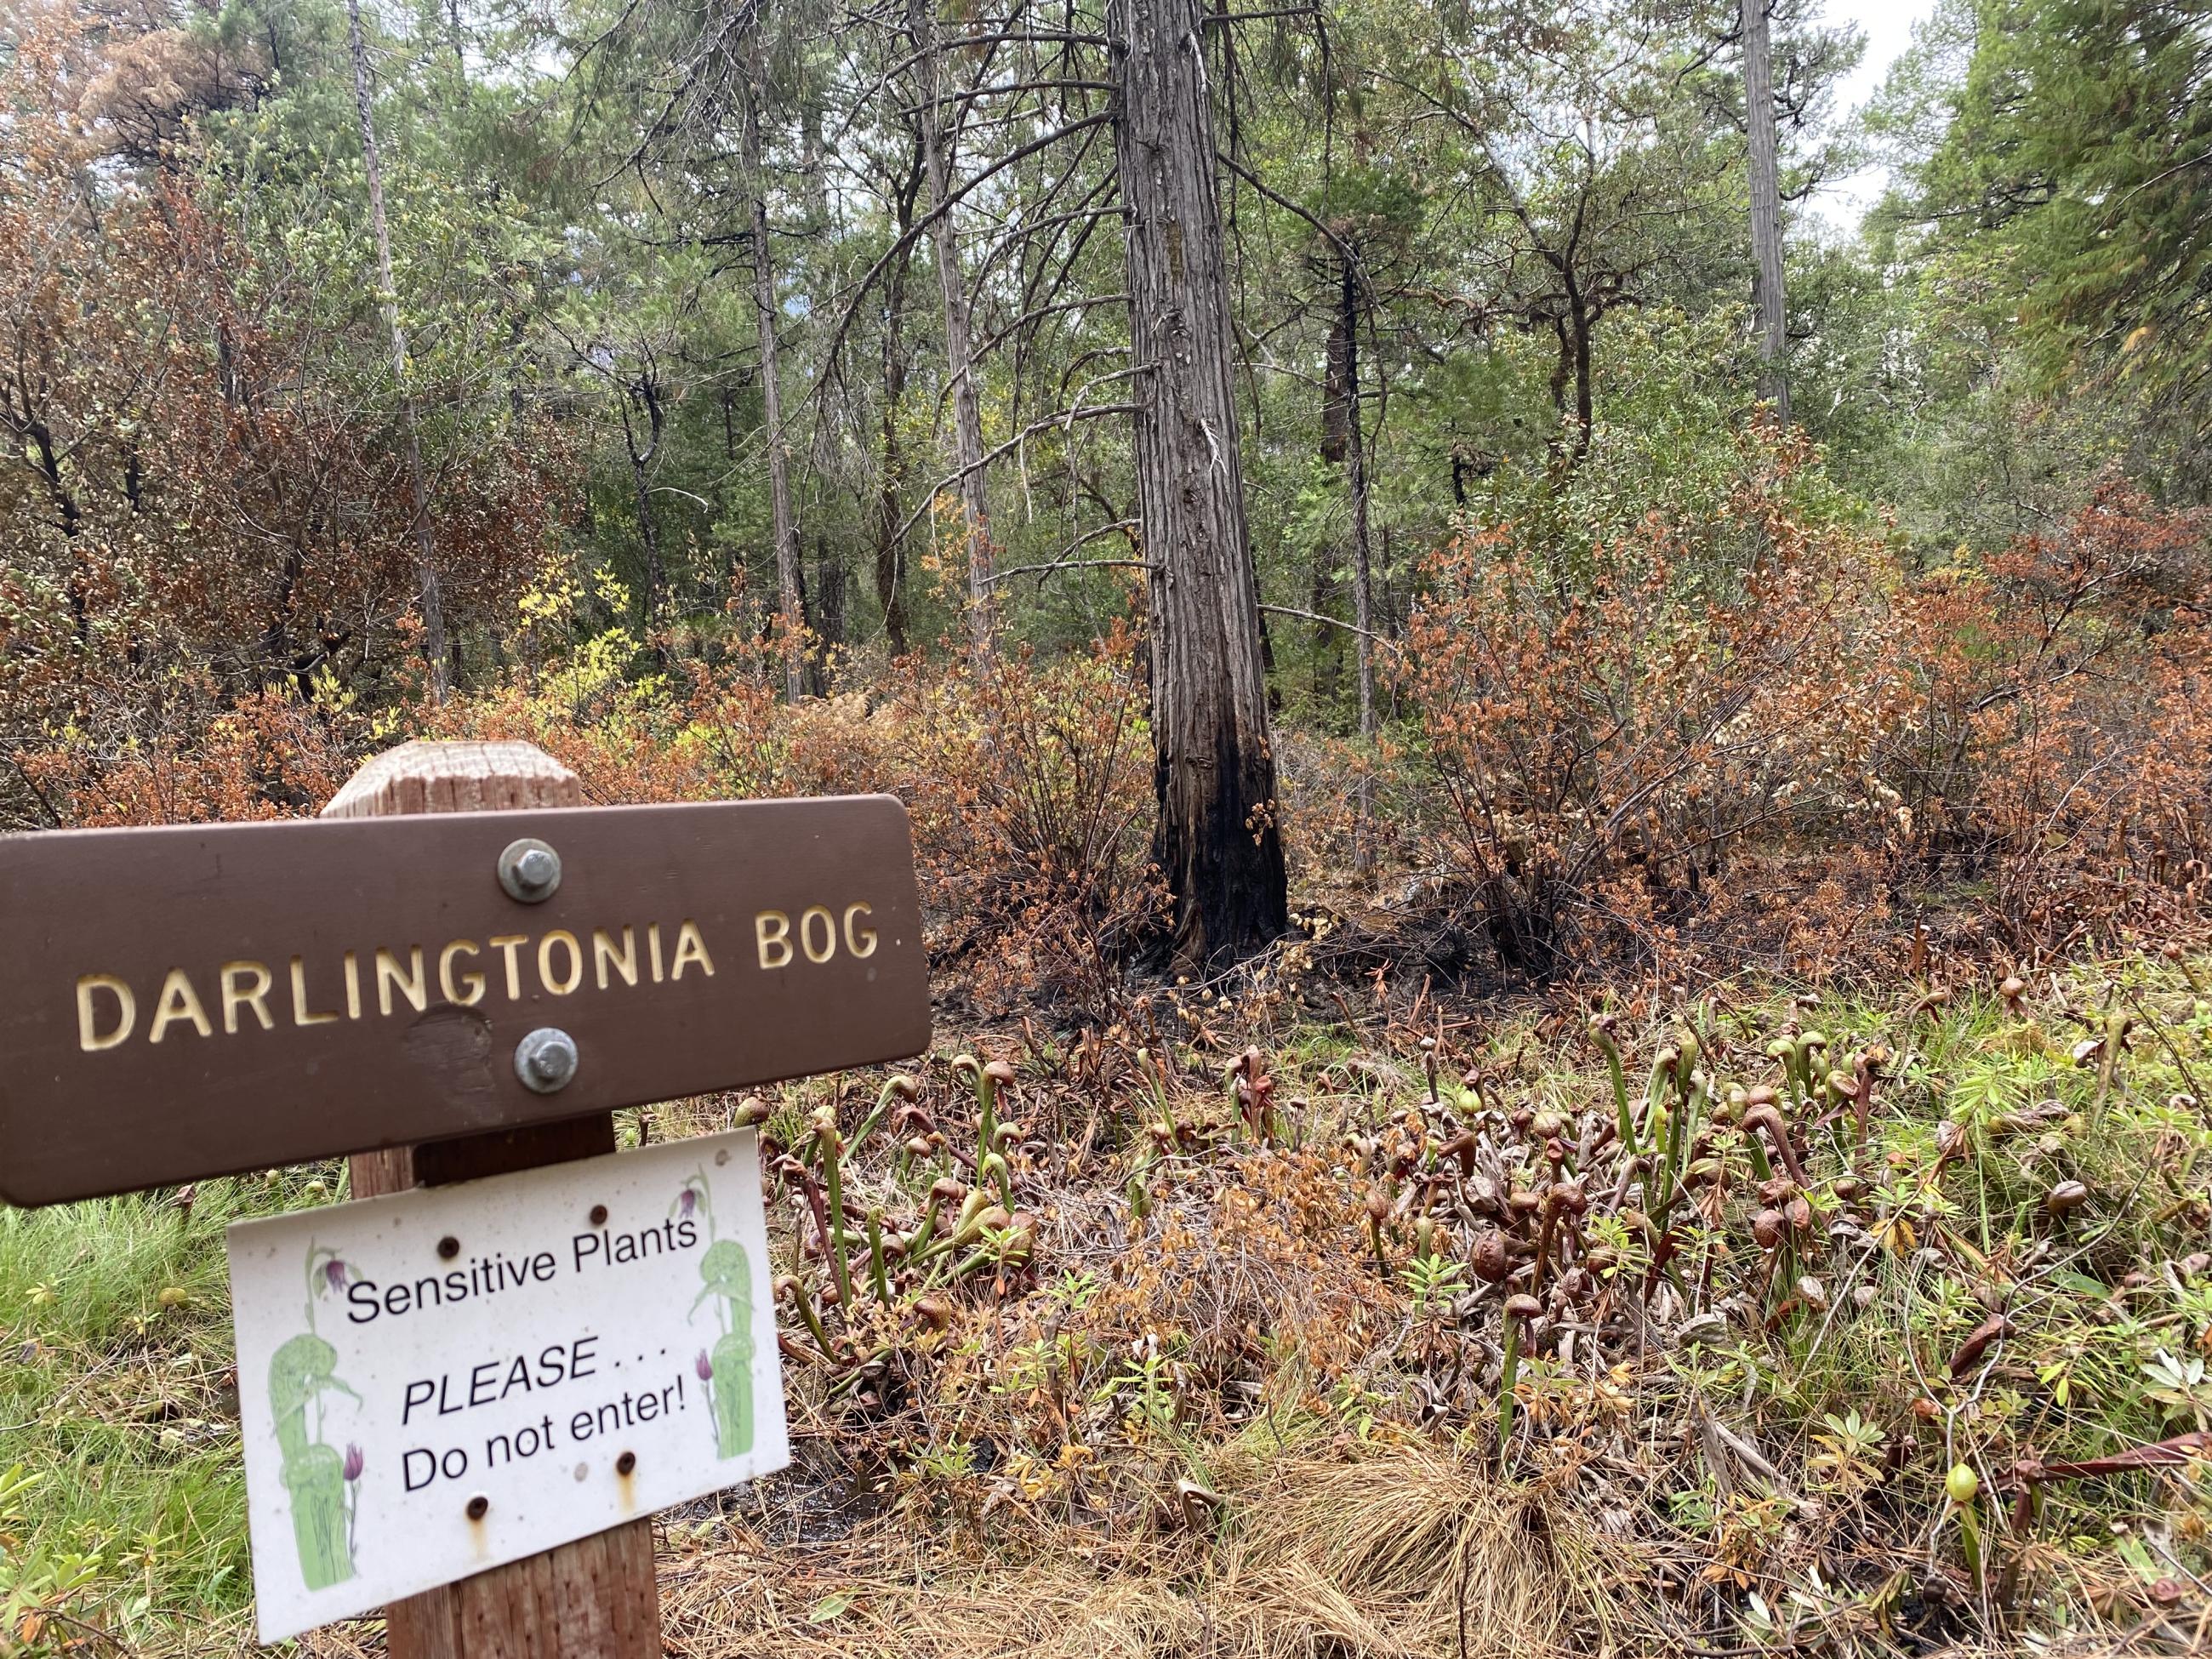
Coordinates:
891	476
959	355
1336	388
791	604
1218	842
435	656
649	539
1766	206
646	398
46	458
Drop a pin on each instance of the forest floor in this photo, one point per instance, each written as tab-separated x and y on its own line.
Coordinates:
1862	1320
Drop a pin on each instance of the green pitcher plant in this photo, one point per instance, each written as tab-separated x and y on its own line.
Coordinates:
321	1480
726	1369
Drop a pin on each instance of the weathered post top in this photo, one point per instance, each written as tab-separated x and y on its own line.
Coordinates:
422	776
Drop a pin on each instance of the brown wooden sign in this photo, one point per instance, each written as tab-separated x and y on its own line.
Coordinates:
191	1001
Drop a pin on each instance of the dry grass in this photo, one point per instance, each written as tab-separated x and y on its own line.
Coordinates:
1403	1551
1420	1551
1398	1550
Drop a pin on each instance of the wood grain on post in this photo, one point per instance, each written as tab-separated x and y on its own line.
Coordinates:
596	1598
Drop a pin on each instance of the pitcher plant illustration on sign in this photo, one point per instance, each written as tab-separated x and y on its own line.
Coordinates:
728	1368
319	1480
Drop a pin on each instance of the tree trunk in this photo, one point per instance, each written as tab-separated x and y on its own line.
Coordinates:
1327	638
967	404
458	42
791	606
890	561
829	585
1335	399
38	440
1363	565
1336	388
434	610
643	395
891	514
1765	207
1581	322
1218	842
650	540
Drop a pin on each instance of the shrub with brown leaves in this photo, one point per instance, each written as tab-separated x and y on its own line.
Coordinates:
2061	749
1609	734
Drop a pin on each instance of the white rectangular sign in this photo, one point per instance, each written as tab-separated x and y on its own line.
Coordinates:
441	1381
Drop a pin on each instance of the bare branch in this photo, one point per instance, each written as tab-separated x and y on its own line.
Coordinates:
1064	418
1315	616
1061	561
905	243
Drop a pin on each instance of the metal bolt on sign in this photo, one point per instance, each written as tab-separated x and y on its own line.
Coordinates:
530	871
546	1060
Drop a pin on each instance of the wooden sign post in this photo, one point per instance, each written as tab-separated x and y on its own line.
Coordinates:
597	1598
454	977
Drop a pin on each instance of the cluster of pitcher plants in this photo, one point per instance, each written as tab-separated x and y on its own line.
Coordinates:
1976	1216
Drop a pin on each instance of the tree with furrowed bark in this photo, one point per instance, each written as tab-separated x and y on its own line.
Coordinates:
1218	841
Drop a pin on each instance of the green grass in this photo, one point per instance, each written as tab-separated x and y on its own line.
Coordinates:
118	1410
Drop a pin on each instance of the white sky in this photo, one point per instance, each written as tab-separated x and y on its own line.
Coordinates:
1888	25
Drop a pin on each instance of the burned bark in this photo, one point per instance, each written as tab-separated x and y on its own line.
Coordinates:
1217	841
